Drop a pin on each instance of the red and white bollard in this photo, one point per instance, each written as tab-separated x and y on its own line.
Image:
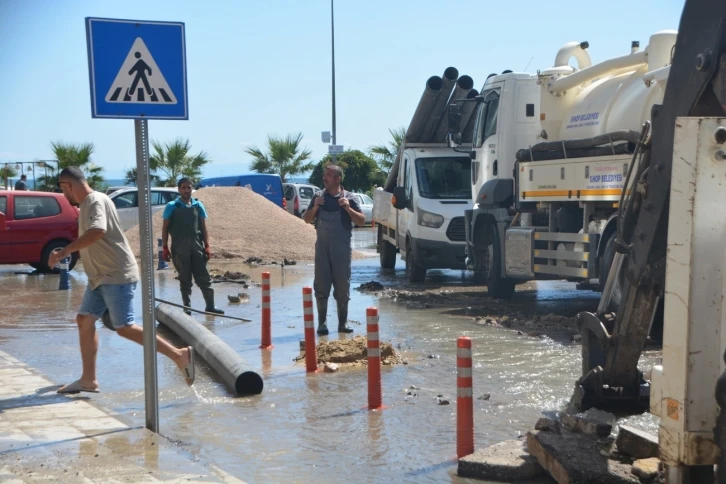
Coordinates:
375	393
266	312
464	399
311	354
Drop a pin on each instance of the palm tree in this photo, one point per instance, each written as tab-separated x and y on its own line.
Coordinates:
284	157
174	161
385	154
6	172
131	177
69	154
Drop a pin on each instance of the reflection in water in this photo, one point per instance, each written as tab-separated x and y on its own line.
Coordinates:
316	421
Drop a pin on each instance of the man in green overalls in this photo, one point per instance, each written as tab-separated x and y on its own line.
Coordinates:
334	211
185	221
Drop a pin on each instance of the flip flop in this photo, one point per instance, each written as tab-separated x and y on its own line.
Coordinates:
188	371
75	387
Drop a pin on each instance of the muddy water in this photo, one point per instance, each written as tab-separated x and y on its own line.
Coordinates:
306	428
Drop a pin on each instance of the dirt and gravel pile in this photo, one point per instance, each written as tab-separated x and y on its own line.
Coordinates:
244	225
352	352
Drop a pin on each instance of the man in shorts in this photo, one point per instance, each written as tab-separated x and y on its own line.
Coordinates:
112	276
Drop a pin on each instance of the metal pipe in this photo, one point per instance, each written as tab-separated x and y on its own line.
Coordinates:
598	70
578	50
438	109
423	109
464	84
151	389
230	367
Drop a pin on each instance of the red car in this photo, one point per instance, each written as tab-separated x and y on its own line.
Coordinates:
32	224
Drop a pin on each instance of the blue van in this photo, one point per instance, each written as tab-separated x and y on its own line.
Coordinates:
267	185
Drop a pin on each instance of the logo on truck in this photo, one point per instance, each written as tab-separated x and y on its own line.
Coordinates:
581	120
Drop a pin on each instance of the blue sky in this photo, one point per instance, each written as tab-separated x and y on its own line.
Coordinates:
263	67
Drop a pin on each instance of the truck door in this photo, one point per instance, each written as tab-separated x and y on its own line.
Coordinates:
486	165
4	233
406	215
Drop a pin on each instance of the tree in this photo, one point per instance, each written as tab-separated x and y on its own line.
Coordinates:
69	154
131	177
173	161
284	157
7	171
360	171
385	154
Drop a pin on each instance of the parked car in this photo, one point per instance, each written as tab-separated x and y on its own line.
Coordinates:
110	190
298	197
127	203
265	184
32	225
366	205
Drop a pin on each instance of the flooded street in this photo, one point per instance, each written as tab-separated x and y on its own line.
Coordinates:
313	427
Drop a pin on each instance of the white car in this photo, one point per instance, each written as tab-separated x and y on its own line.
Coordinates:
366	205
298	197
127	204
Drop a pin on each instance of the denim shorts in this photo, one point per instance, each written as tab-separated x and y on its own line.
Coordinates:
117	298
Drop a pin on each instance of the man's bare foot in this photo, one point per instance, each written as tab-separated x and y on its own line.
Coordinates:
80	386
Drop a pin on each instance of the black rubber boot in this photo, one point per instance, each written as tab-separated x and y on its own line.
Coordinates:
322	316
186	301
209	301
343	317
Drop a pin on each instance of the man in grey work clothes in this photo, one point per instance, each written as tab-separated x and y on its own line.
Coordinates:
334	211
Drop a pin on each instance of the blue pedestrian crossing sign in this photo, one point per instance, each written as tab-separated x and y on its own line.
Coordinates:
137	69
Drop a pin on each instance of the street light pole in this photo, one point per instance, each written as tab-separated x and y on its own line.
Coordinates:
332	39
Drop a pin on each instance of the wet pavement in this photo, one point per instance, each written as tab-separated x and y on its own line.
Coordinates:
313	427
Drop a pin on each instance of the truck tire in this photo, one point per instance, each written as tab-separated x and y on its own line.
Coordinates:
388	251
605	264
43	267
498	286
414	272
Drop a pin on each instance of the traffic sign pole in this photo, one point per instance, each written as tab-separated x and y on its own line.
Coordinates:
147	275
137	70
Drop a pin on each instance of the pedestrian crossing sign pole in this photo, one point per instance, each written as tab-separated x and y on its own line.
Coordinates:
137	70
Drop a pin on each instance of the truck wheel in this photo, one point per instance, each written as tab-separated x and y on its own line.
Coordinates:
388	251
43	267
414	272
605	264
498	286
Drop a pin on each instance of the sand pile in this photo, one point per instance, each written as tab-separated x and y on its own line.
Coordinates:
352	352
243	224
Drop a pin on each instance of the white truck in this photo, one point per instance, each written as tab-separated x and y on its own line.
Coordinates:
551	154
420	210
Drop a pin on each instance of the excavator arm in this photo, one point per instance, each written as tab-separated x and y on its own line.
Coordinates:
612	344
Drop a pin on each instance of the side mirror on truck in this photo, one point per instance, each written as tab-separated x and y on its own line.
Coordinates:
399	198
454	118
3	225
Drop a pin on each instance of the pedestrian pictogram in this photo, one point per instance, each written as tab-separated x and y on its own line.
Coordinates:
139	80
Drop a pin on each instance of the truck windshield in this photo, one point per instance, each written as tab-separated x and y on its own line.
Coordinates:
446	177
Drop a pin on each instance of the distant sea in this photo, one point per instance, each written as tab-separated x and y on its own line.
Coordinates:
120	182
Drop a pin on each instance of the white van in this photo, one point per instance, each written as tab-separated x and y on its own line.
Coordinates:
423	218
298	197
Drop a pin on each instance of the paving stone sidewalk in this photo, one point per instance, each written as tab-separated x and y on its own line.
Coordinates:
47	437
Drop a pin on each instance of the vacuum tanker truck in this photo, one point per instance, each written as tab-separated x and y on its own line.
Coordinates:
420	210
551	154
